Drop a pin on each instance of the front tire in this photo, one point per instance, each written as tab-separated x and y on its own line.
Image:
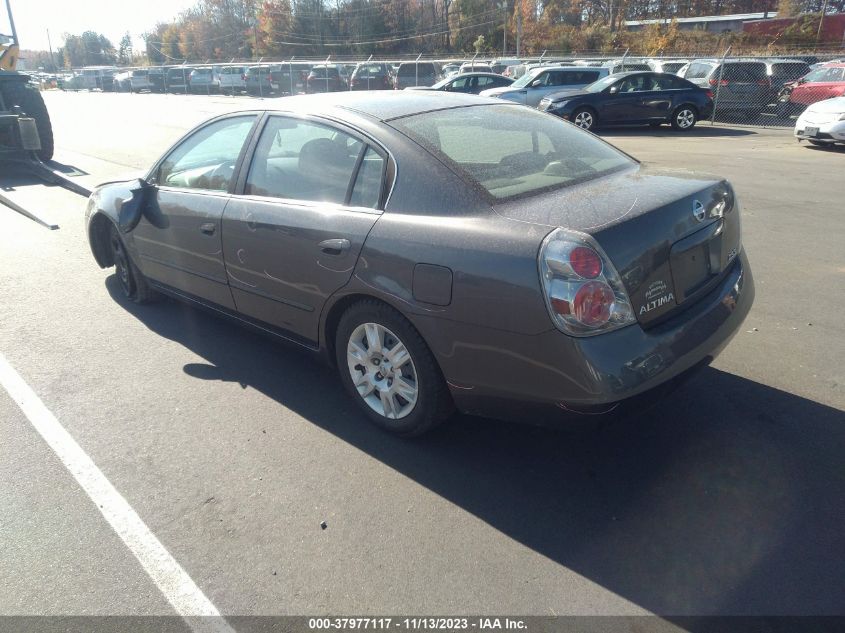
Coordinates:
389	371
684	118
133	284
585	118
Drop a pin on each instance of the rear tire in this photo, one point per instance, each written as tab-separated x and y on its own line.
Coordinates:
16	93
411	396
133	284
684	118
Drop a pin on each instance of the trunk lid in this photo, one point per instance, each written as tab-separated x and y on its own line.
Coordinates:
660	230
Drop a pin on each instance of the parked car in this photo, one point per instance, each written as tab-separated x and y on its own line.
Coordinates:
205	79
475	67
469	83
157	77
139	80
823	122
666	65
258	81
326	78
290	78
451	69
178	79
371	76
783	71
633	98
739	85
121	81
566	275
416	74
626	65
501	64
544	80
233	79
822	83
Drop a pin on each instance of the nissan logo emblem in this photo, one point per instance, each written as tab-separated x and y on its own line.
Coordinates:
698	210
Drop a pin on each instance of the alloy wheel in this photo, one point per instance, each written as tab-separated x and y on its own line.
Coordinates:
584	120
382	371
685	118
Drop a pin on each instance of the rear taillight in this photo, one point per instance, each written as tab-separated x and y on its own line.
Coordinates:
715	82
709	94
583	291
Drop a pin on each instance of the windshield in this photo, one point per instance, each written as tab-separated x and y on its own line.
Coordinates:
527	78
511	150
601	84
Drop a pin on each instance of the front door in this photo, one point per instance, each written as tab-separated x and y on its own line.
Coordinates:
178	239
310	198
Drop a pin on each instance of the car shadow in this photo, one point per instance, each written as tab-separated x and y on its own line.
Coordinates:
728	498
702	130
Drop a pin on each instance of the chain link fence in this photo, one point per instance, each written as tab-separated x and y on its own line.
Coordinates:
746	90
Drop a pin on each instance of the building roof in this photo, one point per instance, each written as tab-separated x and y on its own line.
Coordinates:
734	17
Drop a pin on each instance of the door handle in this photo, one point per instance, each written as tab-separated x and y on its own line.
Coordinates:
336	246
208	228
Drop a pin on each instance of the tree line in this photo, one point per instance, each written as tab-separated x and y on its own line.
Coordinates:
221	30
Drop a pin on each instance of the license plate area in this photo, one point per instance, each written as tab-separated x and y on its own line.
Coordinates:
811	131
696	261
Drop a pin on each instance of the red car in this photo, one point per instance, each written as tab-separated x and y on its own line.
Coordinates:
822	83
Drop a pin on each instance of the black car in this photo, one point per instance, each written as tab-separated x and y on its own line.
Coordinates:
371	76
635	97
468	83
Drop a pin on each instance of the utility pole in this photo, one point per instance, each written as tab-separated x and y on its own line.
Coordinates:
50	45
821	22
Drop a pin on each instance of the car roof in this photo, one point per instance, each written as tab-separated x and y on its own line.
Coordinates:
384	105
478	74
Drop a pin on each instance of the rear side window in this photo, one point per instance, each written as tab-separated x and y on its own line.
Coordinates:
303	160
368	184
698	70
512	150
670	82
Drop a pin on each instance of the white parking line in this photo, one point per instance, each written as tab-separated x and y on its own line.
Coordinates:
182	593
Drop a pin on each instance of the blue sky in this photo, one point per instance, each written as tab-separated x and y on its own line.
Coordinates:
110	17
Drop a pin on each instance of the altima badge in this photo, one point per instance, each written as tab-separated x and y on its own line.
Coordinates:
698	210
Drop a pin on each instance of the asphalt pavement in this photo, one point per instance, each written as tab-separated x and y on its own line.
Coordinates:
728	498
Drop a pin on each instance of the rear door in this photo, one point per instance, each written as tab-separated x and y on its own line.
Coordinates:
178	239
311	195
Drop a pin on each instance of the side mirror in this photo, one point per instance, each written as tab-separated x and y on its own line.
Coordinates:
613	90
130	210
536	82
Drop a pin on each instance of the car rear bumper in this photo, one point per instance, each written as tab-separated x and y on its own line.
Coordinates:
594	374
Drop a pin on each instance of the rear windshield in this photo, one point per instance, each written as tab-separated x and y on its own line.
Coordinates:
672	67
511	150
751	72
373	70
202	71
411	70
324	72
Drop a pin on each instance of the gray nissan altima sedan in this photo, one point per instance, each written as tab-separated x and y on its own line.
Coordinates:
444	251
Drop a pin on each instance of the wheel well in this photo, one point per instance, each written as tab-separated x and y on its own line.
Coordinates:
98	234
333	320
691	106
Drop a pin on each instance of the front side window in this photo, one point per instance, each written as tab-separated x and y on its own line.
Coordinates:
207	158
303	160
511	150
